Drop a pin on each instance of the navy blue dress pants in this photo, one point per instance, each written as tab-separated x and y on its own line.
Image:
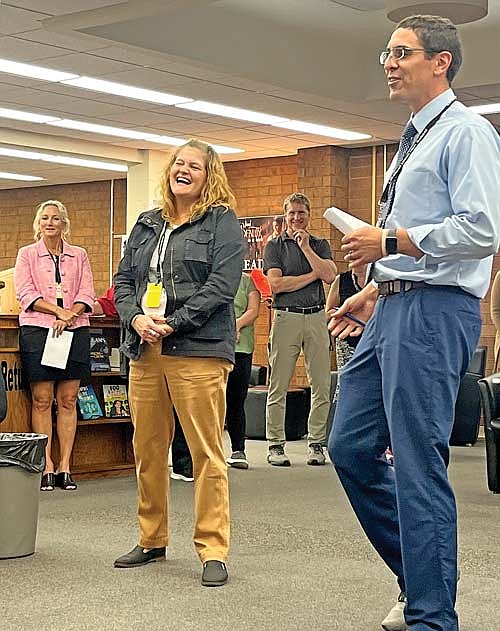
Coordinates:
400	389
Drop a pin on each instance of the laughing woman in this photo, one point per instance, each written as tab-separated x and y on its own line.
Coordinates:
174	293
55	288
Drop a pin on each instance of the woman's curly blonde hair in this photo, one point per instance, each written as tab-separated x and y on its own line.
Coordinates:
215	192
62	212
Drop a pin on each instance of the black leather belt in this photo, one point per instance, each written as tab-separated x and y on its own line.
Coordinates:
391	287
303	310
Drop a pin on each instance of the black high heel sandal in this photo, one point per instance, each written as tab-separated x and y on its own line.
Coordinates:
48	482
65	482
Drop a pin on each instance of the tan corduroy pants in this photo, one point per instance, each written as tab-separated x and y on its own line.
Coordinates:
196	387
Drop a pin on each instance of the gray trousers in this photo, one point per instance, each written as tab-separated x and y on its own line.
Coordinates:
291	333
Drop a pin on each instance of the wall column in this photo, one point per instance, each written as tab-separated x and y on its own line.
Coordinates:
323	175
143	184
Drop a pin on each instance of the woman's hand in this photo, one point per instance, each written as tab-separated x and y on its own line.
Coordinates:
151	329
66	316
59	327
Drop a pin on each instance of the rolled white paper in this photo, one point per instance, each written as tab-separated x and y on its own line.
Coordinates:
343	221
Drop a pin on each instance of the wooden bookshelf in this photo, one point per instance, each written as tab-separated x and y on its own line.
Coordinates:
103	446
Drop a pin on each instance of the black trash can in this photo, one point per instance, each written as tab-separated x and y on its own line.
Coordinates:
22	460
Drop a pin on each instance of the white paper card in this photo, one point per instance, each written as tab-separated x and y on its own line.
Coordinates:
56	350
343	221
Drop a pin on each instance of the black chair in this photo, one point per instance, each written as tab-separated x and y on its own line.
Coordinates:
3	399
258	375
468	405
296	413
489	388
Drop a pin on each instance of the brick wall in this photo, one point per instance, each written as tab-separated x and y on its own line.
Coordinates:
88	207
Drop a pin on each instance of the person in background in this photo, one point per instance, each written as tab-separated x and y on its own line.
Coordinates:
174	292
246	308
277	228
431	256
297	263
345	285
55	289
182	463
495	316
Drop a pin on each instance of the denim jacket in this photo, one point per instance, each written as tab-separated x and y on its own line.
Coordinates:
201	272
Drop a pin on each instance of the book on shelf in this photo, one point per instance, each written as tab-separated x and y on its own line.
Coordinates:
88	403
99	351
115	400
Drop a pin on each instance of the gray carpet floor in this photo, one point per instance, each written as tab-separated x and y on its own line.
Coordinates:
298	558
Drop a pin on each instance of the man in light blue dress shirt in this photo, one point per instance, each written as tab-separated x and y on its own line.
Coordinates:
431	257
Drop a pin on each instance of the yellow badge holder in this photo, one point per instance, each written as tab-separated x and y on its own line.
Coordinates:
153	295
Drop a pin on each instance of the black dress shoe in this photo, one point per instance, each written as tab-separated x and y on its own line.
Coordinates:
138	556
214	574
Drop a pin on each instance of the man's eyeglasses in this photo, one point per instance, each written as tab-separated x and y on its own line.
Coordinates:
399	52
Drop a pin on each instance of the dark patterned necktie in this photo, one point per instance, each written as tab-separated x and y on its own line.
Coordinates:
405	143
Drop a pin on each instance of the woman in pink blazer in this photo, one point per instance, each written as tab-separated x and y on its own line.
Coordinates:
55	288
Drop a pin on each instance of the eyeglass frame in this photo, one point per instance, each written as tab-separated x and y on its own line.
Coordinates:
406	51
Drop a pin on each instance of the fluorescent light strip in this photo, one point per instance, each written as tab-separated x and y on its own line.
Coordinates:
128	91
36	72
268	119
323	130
489	108
100	129
231	112
25	116
58	159
16	176
177	142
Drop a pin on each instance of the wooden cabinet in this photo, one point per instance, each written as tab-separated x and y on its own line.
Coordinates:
103	447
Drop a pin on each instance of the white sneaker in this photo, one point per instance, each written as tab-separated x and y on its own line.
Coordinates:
395	620
185	476
238	460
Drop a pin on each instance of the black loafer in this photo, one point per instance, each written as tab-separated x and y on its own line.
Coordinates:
214	574
138	557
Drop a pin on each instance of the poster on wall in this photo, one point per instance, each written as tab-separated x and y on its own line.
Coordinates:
257	231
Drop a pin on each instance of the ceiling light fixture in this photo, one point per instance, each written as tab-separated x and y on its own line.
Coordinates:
101	129
16	176
231	112
275	121
36	72
128	91
25	116
489	108
59	159
177	142
323	130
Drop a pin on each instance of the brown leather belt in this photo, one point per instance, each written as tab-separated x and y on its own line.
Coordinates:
391	287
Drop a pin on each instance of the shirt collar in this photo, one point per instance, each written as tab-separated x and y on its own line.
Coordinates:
432	109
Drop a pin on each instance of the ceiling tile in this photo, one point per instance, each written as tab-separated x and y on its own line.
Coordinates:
17	49
16	20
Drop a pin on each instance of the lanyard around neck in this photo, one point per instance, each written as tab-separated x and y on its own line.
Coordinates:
161	254
418	139
55	259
